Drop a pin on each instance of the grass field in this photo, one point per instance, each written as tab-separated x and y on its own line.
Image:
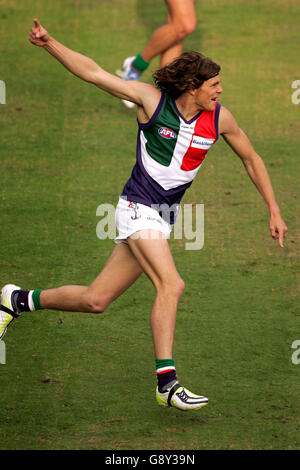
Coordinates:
77	381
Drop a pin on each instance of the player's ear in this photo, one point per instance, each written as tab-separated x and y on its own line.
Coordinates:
192	91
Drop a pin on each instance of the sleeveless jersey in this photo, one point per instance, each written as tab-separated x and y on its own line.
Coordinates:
170	151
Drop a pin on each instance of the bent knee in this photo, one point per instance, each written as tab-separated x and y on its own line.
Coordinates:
177	287
94	304
184	28
189	27
180	286
173	288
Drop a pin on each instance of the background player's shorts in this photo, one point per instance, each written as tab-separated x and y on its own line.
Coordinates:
133	216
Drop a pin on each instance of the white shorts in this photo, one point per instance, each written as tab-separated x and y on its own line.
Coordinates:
133	216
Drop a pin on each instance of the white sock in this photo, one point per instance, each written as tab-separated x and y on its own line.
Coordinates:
30	301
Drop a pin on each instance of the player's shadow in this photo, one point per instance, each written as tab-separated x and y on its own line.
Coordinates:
153	14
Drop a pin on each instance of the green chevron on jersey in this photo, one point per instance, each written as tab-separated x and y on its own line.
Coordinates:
161	149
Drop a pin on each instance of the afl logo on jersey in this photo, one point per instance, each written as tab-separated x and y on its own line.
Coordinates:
167	133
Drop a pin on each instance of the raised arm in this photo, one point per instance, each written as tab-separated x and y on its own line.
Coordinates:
144	95
256	169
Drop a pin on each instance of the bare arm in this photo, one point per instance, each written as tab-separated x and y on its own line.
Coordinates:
144	95
256	169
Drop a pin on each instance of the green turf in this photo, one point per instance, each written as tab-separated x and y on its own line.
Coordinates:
77	381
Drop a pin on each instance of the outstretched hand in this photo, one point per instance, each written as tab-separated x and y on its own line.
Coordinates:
38	35
277	228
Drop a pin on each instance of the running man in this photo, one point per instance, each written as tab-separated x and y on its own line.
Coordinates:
166	41
179	120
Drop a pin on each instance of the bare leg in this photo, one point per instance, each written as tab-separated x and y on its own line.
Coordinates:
157	262
119	273
171	54
181	22
174	51
126	263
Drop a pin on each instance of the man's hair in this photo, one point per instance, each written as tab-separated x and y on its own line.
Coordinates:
189	71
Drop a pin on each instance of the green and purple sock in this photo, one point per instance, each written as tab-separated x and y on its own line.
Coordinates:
27	300
166	374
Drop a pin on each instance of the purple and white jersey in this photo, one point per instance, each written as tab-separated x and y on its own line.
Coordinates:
170	151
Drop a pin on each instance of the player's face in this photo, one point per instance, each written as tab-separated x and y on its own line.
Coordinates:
207	95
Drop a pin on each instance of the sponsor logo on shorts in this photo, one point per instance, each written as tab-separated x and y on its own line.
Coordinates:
135	207
167	133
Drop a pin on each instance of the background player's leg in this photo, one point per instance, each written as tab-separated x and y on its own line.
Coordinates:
174	51
119	273
166	41
181	22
